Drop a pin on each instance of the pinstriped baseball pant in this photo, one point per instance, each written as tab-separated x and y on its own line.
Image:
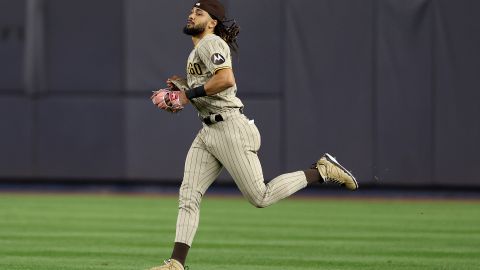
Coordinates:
232	144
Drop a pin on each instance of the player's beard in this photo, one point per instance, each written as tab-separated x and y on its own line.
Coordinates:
195	30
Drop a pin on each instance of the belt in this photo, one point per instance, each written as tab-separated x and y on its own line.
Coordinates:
215	118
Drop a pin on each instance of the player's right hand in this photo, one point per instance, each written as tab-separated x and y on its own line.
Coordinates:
170	84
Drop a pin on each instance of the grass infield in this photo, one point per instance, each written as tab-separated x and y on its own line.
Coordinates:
134	232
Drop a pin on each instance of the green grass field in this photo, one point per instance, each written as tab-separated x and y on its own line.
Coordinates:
133	232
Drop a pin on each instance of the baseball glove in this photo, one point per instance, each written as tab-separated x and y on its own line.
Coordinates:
167	100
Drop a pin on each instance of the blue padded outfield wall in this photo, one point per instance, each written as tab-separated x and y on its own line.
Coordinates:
390	87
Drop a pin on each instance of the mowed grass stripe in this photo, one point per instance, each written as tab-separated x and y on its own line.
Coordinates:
121	232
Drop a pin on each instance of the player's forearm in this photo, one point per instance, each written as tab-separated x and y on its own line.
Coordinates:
219	82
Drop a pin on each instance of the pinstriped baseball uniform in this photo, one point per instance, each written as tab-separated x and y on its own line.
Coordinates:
232	143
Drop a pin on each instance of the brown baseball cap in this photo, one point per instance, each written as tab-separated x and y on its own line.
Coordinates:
213	7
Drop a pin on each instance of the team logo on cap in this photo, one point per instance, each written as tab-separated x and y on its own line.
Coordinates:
217	59
197	4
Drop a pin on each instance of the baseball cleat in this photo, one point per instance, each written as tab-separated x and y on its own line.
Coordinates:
170	264
332	171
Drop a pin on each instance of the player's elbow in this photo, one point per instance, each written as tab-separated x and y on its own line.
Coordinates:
229	82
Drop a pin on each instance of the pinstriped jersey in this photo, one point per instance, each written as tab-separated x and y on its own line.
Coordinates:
210	55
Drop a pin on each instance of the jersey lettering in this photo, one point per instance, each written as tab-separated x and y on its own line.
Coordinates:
194	69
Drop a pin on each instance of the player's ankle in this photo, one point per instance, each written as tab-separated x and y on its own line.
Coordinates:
313	176
180	252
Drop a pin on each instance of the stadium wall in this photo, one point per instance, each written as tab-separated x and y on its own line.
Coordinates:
388	86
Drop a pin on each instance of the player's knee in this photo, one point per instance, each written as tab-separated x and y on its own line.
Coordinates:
260	206
259	203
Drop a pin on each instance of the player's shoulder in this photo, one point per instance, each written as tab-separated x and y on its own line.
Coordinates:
213	40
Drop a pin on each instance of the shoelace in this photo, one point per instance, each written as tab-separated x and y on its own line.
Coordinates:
334	180
168	261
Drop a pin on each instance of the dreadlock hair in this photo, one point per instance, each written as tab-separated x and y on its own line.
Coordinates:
228	33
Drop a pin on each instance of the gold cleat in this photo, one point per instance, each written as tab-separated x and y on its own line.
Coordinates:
332	171
170	264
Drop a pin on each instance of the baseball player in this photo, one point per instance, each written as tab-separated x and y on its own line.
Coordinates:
228	139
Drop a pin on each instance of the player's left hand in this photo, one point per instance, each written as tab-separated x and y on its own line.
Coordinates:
158	98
